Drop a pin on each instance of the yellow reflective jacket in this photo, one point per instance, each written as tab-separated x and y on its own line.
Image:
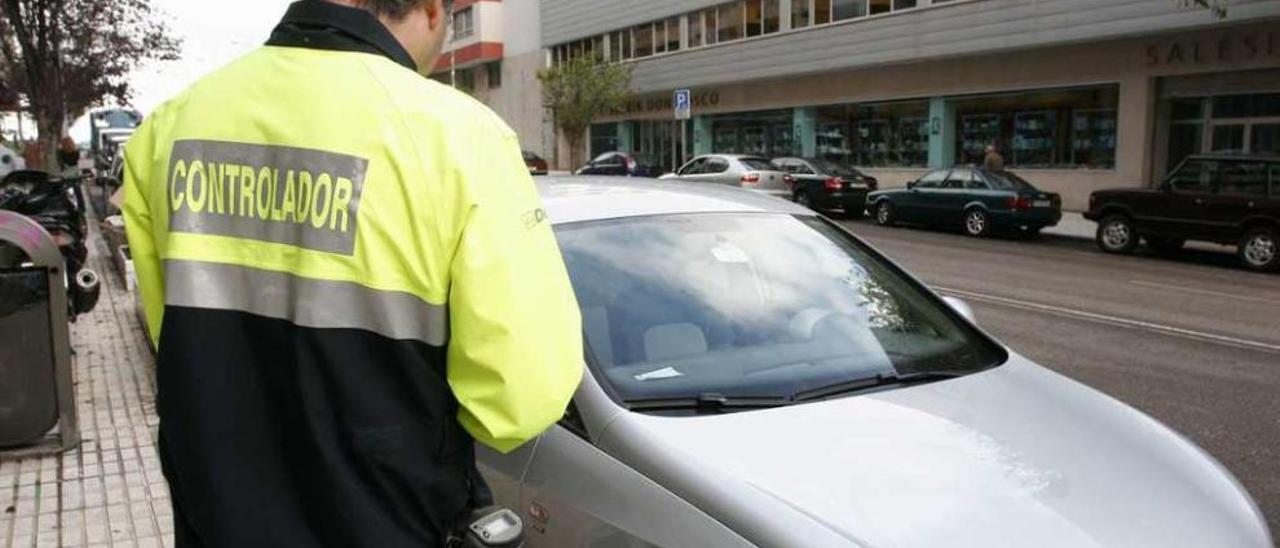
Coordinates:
338	256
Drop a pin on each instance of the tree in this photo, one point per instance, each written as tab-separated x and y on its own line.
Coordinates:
65	56
1217	7
580	90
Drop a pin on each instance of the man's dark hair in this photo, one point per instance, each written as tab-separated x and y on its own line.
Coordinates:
394	9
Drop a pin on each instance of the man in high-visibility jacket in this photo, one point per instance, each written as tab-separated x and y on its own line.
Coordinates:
349	277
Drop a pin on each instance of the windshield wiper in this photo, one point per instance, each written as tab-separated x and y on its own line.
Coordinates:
877	381
707	402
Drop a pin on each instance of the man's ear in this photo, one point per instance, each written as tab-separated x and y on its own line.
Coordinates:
436	15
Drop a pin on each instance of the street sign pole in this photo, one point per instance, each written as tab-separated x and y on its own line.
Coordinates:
682	103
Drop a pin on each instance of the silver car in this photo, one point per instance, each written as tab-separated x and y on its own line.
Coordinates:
740	170
757	376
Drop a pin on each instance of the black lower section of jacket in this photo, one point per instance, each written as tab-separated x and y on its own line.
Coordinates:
277	435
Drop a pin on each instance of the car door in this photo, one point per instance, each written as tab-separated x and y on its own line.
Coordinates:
808	178
691	168
912	204
948	201
1184	213
1241	194
717	171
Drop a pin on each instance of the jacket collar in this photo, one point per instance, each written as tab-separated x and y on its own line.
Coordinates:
318	24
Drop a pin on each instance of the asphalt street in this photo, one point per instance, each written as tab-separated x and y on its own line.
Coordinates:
1193	341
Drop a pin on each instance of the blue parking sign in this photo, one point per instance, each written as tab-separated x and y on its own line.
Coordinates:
683	103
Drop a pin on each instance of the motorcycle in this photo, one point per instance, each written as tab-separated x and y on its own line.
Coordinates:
58	206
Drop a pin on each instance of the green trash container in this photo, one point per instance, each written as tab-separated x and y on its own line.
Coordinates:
28	395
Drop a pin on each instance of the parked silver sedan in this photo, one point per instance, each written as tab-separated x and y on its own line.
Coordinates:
739	170
757	376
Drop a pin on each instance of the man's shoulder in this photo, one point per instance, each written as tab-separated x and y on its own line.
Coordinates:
427	101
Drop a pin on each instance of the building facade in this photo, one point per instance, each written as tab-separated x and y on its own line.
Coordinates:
494	53
1077	94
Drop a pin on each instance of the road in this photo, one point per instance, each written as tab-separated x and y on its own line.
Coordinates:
1193	341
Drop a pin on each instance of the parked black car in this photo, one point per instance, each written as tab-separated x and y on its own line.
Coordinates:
619	163
1221	199
979	201
825	185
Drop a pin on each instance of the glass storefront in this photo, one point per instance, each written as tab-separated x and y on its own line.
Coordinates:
766	133
1224	124
1065	128
892	134
604	138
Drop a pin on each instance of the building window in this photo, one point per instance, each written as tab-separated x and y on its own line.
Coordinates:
628	52
800	14
464	23
848	9
493	74
755	17
893	134
465	80
730	22
643	36
710	26
881	6
695	30
1066	128
765	133
772	19
660	37
821	12
673	34
903	4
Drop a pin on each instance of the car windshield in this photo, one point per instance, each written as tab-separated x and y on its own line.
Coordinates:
1004	180
827	167
758	164
752	305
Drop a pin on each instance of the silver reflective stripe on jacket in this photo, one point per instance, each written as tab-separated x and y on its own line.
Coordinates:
305	302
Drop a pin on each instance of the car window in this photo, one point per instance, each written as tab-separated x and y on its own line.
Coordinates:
1194	176
837	169
933	179
715	165
756	164
959	178
709	303
601	158
1243	179
1005	180
803	169
693	167
614	160
1275	181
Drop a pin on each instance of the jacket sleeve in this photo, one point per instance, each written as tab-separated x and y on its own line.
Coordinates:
515	348
140	227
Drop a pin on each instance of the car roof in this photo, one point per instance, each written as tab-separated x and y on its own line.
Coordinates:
591	198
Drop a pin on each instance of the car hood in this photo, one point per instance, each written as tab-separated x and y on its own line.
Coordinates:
1015	456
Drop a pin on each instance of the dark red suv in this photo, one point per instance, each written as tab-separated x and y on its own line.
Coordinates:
1221	199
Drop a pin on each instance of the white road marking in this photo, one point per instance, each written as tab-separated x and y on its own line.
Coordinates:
1114	320
1158	285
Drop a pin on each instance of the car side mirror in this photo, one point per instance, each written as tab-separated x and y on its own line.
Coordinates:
962	307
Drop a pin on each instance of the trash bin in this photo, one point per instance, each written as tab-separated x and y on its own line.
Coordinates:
28	395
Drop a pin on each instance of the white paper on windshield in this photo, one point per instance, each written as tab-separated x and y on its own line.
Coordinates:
727	253
664	373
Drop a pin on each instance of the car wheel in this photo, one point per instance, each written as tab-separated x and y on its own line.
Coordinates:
1165	246
977	223
1116	235
885	216
803	199
1260	249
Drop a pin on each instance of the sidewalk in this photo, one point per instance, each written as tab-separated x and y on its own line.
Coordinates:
1073	225
109	491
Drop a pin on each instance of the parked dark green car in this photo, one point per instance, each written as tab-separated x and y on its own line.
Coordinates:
979	201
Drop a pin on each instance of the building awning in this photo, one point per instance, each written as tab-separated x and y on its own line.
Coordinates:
470	56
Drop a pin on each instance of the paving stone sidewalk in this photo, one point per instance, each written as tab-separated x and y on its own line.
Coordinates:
109	492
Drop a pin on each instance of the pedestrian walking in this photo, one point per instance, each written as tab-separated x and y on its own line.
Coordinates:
349	277
993	161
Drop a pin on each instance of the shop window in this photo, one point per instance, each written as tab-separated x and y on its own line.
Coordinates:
673	34
848	9
1266	139
772	18
800	14
1065	128
643	36
695	30
1247	106
730	22
493	74
1228	138
875	135
1187	109
1184	140
881	6
821	12
763	133
755	17
604	139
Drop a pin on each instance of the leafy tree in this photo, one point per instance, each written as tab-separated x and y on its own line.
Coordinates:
579	91
1217	7
65	56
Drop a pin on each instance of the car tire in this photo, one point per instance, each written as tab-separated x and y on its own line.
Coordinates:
885	215
1116	234
977	222
1259	249
1165	246
804	200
